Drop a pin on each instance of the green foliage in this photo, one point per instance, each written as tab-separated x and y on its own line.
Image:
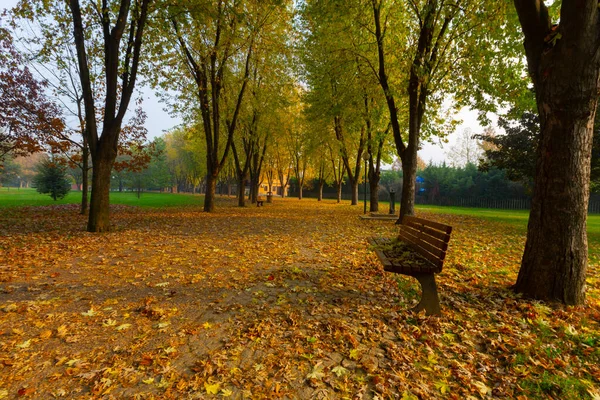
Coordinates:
515	152
9	172
52	179
445	182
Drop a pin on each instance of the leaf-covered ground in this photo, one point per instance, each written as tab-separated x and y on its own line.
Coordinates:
282	301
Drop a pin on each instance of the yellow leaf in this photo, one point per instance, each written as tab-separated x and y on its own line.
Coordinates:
441	386
212	389
432	359
354	354
61	330
148	381
3	393
25	344
109	322
226	392
207	325
123	327
482	387
89	313
45	334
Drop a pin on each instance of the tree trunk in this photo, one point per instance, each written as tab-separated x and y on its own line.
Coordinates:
253	191
409	177
354	186
211	189
99	212
84	181
300	192
555	259
241	192
339	192
564	65
321	184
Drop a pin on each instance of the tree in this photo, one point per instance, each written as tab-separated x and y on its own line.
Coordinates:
52	179
466	149
119	63
26	114
564	66
52	54
513	152
219	64
10	172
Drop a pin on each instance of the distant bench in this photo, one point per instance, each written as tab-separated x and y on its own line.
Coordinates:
429	240
260	201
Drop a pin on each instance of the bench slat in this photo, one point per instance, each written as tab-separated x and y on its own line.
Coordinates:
437	246
440	235
435	260
435	225
416	238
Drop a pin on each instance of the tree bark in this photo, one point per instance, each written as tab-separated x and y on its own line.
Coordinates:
409	176
211	189
99	216
241	192
564	65
320	196
339	192
354	186
84	179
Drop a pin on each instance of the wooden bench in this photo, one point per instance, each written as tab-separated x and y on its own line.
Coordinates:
429	240
260	201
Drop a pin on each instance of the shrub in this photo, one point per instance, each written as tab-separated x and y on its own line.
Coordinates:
51	179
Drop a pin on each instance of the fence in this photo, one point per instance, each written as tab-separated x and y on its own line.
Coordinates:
504	204
479	202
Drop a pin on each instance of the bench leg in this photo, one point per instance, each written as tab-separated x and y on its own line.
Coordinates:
430	301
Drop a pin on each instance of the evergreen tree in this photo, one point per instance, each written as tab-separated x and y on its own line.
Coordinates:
52	179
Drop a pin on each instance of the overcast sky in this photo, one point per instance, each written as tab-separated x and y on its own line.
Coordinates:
160	121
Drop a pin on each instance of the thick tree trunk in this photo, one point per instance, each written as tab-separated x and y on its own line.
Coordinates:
300	192
321	184
354	186
84	181
241	192
253	191
409	176
339	192
555	259
209	196
554	262
564	64
99	213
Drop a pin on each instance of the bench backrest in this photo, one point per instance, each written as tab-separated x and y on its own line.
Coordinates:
428	238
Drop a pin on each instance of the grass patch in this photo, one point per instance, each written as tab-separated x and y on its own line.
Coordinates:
12	197
516	218
555	386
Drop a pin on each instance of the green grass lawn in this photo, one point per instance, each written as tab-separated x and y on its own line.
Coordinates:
517	218
12	197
